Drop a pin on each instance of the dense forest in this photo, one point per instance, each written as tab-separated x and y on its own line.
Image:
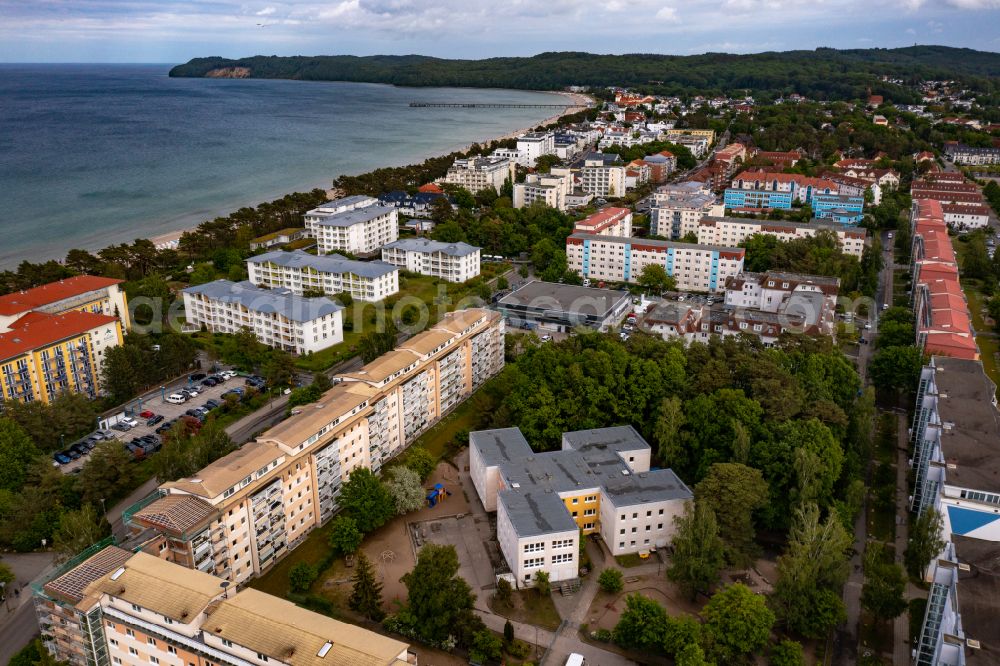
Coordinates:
822	74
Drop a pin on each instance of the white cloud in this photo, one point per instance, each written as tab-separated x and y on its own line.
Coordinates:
267	11
666	14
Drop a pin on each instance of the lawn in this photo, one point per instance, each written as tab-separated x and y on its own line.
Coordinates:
466	417
628	560
529	607
313	550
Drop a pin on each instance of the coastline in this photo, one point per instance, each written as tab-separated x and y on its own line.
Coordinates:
169	240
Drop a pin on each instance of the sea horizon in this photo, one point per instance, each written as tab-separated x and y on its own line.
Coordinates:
126	152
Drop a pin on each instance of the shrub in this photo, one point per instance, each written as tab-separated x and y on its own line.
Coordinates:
611	581
301	577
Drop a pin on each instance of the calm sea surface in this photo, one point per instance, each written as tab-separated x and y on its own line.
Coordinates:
91	155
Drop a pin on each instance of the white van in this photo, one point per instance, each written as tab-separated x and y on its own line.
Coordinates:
176	399
576	660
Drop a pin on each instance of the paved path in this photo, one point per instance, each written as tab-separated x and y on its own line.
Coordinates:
901	625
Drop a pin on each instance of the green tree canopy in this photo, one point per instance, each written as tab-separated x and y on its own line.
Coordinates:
437	596
698	551
733	492
367	499
737	622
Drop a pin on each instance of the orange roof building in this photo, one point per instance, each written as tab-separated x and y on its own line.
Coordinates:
87	293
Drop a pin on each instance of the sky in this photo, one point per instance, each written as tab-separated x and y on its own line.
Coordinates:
173	31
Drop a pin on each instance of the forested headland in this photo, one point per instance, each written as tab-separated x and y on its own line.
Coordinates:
821	74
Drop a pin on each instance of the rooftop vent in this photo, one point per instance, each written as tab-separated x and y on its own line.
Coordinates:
515	485
118	572
625	472
962	566
973	643
323	650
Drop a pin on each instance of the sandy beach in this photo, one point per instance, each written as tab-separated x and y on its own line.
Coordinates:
579	103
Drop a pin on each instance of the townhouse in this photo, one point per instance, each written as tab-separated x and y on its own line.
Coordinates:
83	293
598	482
676	211
239	515
331	274
550	189
454	262
278	317
814	297
622	259
117	607
480	173
356	224
698	323
609	221
732	231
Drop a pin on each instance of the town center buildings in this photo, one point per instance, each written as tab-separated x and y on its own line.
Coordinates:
236	517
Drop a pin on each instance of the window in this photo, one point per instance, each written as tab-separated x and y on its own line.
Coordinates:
575	500
151	640
635	516
634	529
136	608
130	633
588	526
171	649
533	562
562	557
661	512
132	651
116	660
113	642
622	531
589	512
659	526
227	643
154	660
621	544
262	657
649	513
534	547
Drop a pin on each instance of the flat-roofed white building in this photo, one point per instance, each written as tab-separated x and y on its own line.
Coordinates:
695	267
278	317
535	144
598	482
356	224
480	173
676	212
602	179
331	274
454	262
732	231
550	189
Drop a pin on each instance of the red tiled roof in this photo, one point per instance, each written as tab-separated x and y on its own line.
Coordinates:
38	329
602	219
22	301
949	344
801	181
430	187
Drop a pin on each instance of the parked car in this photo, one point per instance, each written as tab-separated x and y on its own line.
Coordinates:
61	458
212	404
104	434
197	377
546	338
73	455
121	426
153	421
80	448
190	392
176	398
147	414
130	421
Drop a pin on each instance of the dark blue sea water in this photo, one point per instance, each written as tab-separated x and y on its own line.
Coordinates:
91	155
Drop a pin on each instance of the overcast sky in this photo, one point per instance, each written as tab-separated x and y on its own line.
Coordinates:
176	30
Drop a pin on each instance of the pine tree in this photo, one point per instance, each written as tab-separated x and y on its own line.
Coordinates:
366	597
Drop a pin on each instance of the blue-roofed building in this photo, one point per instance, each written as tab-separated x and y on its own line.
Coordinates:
356	224
840	208
329	274
278	317
412	205
454	262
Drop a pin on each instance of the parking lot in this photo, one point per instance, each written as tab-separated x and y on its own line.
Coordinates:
159	406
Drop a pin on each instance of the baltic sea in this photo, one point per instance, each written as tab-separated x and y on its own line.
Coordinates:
92	155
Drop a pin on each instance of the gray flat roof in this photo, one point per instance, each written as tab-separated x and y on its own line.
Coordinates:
561	471
500	445
979	595
337	203
427	245
330	263
628	240
614	439
658	485
257	299
534	512
349	218
565	297
971	439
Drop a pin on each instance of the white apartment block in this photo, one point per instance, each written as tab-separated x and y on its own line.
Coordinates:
550	189
773	291
533	145
607	222
357	224
236	517
117	607
698	145
331	274
599	482
278	318
602	180
454	262
675	214
480	173
732	231
695	267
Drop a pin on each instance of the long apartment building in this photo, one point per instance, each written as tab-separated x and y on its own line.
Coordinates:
278	317
454	262
480	173
330	274
550	189
598	482
941	313
356	224
610	221
81	293
801	188
114	607
676	211
236	517
953	437
961	202
732	231
618	259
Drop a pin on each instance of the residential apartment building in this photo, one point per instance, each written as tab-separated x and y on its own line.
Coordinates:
801	188
44	354
454	262
609	221
961	154
756	200
480	173
965	218
236	517
550	189
83	293
331	274
661	165
602	177
698	323
535	144
116	607
676	212
621	259
732	231
598	482
278	317
839	208
698	145
953	437
357	224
